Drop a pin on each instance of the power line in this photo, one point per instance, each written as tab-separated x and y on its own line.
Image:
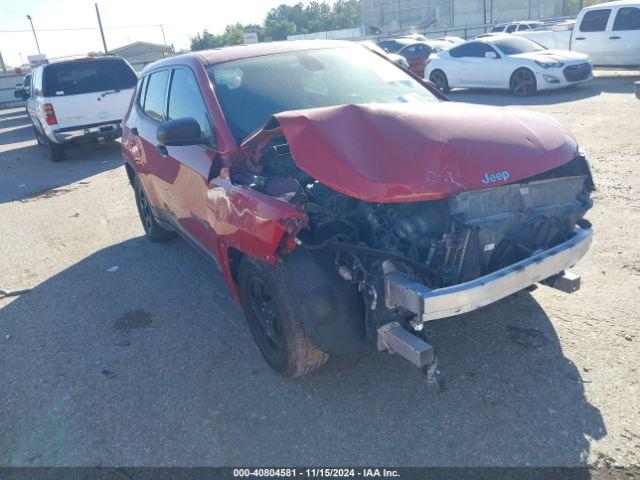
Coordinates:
69	29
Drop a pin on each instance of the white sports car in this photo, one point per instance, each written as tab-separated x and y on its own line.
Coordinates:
507	61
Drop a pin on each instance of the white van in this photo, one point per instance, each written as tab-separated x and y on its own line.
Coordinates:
79	100
608	32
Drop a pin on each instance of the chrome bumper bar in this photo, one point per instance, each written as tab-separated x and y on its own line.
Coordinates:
92	132
428	304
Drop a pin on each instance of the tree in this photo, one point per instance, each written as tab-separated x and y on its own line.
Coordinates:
287	20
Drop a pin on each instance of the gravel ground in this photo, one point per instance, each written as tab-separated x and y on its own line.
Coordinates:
128	353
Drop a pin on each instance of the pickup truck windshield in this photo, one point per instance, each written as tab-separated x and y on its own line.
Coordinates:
515	45
87	76
253	89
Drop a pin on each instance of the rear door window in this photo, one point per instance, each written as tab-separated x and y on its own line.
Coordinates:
595	20
473	49
511	28
156	95
627	18
87	76
185	100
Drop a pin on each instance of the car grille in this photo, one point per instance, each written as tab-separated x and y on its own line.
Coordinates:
575	73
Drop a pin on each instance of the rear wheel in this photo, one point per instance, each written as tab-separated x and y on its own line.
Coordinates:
152	228
275	326
523	82
439	79
55	150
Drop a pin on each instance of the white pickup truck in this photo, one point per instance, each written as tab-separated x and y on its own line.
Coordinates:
609	33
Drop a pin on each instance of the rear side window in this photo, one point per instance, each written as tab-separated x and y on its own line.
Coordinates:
474	49
595	20
627	18
142	91
87	76
156	95
185	100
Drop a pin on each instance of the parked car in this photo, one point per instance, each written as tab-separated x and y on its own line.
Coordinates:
394	57
511	27
417	55
609	33
393	45
79	100
345	201
509	62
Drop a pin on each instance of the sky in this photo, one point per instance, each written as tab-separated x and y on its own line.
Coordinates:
125	21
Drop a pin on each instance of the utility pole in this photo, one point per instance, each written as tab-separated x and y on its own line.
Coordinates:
34	33
104	42
163	37
4	67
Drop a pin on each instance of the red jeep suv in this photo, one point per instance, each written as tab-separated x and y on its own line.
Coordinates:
347	202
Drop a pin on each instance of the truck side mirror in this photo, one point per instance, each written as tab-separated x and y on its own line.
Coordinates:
22	94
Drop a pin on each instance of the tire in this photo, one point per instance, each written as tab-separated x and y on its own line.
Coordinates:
523	83
152	228
439	79
55	150
270	310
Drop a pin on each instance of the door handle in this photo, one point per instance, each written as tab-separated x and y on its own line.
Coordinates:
580	38
133	131
162	150
614	38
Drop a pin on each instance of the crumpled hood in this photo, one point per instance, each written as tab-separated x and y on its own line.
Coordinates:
409	152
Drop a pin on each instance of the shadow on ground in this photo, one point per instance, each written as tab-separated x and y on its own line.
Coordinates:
27	171
151	364
601	84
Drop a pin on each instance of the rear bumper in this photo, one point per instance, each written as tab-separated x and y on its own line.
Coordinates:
428	304
86	133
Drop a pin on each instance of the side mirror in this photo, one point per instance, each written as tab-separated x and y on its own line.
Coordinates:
22	94
180	132
490	55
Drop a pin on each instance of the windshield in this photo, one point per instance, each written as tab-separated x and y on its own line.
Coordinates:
253	89
515	45
86	76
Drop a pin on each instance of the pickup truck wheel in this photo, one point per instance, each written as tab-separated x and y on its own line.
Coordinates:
439	79
55	150
523	82
271	315
152	228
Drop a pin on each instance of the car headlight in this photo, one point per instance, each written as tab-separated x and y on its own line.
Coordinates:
549	64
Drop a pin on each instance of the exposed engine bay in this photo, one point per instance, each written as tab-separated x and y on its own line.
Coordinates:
440	242
436	244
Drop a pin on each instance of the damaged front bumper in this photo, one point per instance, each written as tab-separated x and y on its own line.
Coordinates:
431	304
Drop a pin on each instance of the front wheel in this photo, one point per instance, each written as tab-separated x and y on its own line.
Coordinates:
271	314
439	79
523	83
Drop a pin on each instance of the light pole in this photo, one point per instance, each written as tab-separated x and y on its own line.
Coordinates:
34	33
